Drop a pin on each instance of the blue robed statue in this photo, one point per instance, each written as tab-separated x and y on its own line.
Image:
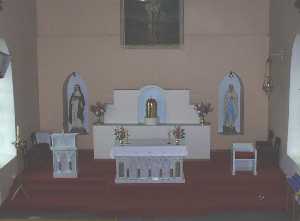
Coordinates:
230	109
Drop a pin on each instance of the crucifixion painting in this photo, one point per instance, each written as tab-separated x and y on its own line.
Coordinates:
152	23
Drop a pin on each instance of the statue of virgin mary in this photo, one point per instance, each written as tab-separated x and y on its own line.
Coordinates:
230	109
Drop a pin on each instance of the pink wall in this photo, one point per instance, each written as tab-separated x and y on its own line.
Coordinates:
220	36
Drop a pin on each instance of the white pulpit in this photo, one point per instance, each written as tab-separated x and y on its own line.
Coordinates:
149	161
64	153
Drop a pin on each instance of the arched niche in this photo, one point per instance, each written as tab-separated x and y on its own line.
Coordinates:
7	113
230	105
152	91
76	105
293	142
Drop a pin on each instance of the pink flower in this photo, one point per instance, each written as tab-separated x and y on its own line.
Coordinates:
98	109
203	109
178	132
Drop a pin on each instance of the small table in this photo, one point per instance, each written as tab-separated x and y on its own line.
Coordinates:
149	161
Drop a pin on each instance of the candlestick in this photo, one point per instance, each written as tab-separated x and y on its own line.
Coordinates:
267	84
18	130
18	134
268	62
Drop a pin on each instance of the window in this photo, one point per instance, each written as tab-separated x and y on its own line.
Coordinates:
7	114
293	144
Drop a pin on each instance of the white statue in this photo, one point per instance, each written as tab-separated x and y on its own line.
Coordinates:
76	109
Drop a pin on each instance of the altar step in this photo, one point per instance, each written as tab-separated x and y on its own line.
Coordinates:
209	187
154	206
241	183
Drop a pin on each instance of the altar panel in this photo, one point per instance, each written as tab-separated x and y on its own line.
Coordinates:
197	138
149	161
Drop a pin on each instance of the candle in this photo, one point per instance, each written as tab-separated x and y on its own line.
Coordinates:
18	133
268	63
18	130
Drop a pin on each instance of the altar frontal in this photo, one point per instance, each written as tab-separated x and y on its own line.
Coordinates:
149	161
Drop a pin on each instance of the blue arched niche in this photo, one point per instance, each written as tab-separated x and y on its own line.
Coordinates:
152	91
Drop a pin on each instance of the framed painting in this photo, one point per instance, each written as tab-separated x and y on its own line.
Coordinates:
151	23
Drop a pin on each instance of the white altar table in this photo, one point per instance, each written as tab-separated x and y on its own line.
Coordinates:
149	161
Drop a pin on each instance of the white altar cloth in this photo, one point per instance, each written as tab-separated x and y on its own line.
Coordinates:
139	148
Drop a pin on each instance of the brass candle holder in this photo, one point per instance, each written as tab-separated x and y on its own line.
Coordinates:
121	135
20	145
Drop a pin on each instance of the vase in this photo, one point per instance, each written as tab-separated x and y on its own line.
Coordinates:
99	119
202	120
177	141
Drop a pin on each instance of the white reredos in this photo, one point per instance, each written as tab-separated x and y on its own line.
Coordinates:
129	106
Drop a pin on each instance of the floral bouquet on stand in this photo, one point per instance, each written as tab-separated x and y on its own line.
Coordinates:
121	135
98	110
179	134
203	109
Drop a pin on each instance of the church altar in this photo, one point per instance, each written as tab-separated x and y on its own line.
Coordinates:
149	161
172	108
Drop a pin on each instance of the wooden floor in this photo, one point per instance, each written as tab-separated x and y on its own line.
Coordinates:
209	188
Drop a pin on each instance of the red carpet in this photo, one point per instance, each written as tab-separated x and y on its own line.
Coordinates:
209	187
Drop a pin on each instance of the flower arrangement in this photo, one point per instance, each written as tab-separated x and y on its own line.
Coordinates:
121	135
178	133
203	109
98	109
